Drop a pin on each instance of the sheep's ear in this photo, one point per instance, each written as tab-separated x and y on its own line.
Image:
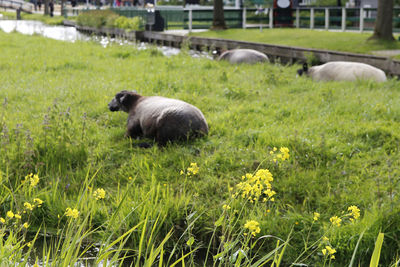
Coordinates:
305	67
125	100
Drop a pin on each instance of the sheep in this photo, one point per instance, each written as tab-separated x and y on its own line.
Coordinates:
343	71
163	119
250	56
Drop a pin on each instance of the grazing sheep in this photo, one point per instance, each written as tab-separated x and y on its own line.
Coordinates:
343	71
250	56
163	119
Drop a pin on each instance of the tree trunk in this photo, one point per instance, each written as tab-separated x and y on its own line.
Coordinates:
218	16
384	21
63	10
339	3
46	7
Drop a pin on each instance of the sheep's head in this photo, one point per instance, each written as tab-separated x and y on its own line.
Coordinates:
123	101
303	70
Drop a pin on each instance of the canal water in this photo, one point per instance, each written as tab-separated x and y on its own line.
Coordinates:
70	34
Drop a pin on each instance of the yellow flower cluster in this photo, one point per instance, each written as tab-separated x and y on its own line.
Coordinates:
329	251
253	226
335	220
316	216
32	178
226	207
255	186
283	155
193	169
11	215
100	193
37	202
74	213
355	212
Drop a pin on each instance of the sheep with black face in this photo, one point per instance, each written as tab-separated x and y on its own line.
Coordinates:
160	118
343	71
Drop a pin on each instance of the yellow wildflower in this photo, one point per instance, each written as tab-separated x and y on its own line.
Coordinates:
316	216
193	169
28	206
284	153
2	220
38	201
74	213
99	193
329	251
354	211
253	226
324	238
10	214
226	207
335	220
25	225
29	244
17	216
32	178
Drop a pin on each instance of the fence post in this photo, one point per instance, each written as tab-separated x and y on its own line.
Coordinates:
312	18
361	19
326	18
244	18
297	18
343	19
271	18
190	19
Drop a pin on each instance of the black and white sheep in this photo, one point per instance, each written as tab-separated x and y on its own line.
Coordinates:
343	71
250	56
160	118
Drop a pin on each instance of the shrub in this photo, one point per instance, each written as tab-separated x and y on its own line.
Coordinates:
128	23
96	18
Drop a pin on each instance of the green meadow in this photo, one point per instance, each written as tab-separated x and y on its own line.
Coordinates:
319	39
292	171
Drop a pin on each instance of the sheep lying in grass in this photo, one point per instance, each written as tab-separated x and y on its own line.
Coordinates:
160	118
250	56
343	71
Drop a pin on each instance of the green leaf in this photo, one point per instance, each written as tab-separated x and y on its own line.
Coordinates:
190	241
377	251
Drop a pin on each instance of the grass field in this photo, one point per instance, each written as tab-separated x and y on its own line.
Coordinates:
153	205
319	39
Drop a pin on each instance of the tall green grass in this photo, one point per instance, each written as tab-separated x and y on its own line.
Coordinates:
343	141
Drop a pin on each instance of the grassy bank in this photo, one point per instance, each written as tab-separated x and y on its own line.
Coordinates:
56	20
339	41
343	141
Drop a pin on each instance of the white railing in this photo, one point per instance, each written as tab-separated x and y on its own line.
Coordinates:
16	4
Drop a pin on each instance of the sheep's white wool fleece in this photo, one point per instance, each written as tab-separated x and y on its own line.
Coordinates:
346	71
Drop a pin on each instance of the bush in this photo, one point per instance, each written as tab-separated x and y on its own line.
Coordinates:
96	18
109	19
128	23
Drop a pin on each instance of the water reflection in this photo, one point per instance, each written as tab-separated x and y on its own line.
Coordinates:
62	33
70	34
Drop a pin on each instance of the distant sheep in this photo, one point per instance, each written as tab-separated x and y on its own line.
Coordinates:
343	71
160	118
250	56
